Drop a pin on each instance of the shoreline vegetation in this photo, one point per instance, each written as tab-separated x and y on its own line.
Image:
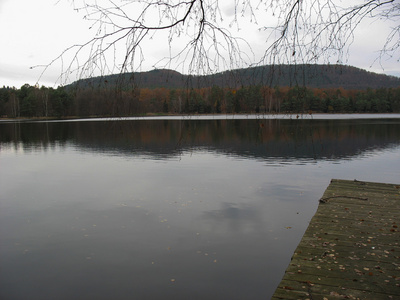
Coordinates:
221	116
32	102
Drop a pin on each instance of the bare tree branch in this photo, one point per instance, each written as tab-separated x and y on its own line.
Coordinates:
311	30
198	33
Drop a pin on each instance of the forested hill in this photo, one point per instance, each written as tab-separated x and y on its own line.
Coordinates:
316	76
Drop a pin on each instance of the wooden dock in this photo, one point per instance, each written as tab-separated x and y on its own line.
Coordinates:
351	249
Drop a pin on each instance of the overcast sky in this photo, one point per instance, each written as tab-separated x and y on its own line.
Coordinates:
33	33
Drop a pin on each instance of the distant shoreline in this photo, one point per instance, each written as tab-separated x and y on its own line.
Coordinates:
152	116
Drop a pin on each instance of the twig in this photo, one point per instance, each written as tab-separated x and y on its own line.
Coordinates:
325	200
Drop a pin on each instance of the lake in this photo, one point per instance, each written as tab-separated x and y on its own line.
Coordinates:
172	207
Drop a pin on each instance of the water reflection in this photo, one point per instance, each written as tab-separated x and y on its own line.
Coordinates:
171	209
284	140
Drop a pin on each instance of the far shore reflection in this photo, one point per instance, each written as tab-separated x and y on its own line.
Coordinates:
259	138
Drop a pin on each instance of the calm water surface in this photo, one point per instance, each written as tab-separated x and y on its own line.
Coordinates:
171	208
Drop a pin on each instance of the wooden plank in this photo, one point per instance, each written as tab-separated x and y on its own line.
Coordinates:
351	248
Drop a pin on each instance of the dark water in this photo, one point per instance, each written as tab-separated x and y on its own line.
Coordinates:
171	209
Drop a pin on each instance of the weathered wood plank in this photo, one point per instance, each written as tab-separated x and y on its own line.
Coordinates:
307	290
351	249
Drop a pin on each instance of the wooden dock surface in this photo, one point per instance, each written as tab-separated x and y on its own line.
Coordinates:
351	248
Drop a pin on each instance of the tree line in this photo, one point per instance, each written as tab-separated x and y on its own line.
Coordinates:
32	101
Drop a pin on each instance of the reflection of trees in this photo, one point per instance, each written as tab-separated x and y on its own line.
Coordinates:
265	139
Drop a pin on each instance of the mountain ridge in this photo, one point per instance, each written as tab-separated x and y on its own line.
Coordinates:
314	76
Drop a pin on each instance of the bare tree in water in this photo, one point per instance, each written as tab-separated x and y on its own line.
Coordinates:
201	35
